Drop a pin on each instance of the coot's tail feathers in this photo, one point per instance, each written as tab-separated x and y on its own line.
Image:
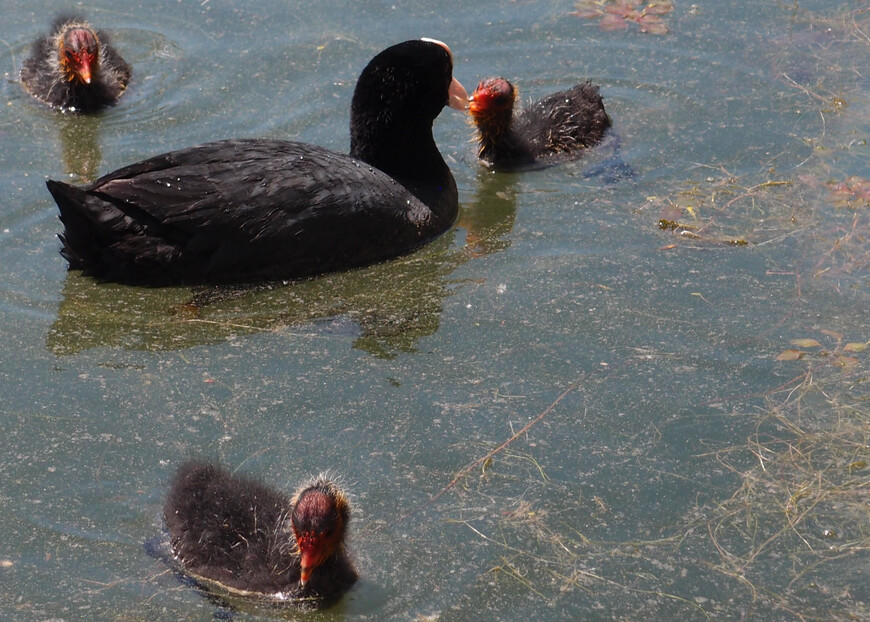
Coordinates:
91	226
80	238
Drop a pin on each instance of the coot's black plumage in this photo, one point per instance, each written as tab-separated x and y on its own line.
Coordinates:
236	534
251	210
74	68
559	126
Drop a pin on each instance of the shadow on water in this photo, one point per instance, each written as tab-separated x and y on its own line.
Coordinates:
387	308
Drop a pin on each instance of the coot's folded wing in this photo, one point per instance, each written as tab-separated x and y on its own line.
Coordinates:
237	208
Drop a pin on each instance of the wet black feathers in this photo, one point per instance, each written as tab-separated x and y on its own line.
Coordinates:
236	531
253	210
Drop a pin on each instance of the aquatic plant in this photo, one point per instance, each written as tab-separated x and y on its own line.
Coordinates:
616	14
851	192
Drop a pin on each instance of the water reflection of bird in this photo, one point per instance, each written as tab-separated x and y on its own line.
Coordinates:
254	210
235	534
80	145
74	68
490	216
384	309
559	126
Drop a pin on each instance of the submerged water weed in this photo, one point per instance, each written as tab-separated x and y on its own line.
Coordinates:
804	505
820	64
778	532
821	57
722	211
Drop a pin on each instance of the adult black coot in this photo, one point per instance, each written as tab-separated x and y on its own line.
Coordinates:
252	210
559	126
74	68
236	534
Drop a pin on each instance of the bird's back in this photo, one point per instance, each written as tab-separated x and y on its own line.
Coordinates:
237	210
230	530
565	122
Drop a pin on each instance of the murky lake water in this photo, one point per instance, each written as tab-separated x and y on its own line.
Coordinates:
705	456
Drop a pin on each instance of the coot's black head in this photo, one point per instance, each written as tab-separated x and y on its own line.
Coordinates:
493	97
78	49
399	94
320	516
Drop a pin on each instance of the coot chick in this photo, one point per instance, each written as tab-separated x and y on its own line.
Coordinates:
559	126
254	210
74	68
236	534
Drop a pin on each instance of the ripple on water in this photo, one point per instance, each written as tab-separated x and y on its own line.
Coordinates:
158	66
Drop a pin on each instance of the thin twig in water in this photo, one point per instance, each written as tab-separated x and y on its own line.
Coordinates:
473	465
12	54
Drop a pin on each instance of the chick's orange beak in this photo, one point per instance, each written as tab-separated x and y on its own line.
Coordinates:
79	65
474	105
307	566
312	552
84	70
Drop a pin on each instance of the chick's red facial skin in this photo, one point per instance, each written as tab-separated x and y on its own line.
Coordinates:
317	525
492	95
79	54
